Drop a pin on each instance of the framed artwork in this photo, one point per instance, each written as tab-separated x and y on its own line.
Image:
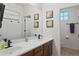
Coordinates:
49	14
36	24
36	16
49	23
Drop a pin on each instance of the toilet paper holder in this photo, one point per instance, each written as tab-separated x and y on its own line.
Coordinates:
67	37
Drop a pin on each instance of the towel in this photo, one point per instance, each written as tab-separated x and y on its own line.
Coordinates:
72	27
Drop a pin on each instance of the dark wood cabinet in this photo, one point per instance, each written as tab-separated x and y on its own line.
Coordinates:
43	50
39	51
30	53
48	49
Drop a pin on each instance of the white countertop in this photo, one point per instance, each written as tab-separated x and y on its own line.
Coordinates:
23	47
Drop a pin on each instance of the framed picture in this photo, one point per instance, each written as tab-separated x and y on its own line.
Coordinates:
36	24
49	23
36	16
49	14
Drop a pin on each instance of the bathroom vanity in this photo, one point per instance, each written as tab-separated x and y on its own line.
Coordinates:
43	50
34	47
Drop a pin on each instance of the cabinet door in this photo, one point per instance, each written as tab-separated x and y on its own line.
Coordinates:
48	49
39	51
30	53
45	50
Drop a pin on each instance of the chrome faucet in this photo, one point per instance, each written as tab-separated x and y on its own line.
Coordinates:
40	36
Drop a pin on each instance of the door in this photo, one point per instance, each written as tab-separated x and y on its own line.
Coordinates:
70	41
67	38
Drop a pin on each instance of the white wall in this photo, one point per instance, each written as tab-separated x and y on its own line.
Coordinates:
31	10
12	30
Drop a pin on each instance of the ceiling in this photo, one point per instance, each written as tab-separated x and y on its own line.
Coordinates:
32	4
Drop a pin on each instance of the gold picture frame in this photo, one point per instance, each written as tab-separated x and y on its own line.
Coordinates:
36	24
49	14
36	16
49	23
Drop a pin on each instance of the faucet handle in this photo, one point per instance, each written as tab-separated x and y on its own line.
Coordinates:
9	43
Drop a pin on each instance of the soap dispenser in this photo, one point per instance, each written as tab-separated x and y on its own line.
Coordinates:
5	40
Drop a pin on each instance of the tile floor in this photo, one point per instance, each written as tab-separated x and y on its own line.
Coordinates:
69	52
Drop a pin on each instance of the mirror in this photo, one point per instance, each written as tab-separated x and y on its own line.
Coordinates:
35	12
14	24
